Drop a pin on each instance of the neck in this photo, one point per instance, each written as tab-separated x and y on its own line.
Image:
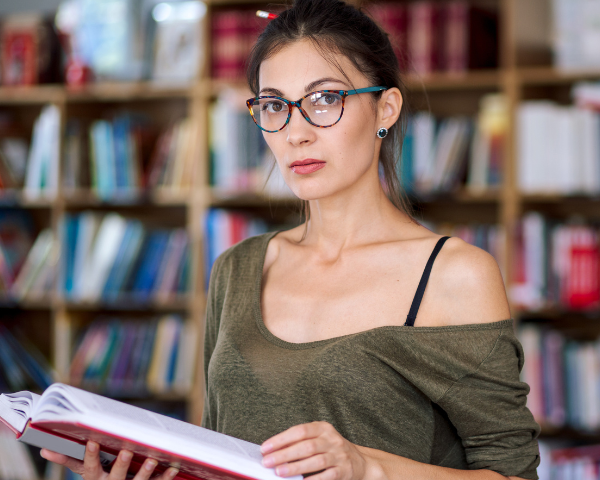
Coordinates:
360	215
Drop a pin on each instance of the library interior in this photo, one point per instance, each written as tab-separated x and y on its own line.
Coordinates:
129	163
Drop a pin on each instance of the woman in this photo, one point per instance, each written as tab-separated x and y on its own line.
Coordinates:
308	351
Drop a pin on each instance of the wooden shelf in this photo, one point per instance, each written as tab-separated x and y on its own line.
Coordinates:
32	95
553	76
157	198
127	91
129	304
472	80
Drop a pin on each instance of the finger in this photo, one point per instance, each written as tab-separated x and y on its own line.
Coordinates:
333	473
72	464
298	451
168	474
313	464
147	469
92	469
119	469
294	434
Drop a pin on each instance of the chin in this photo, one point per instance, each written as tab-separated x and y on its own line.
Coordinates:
314	192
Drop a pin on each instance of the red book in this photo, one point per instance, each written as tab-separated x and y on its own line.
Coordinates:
583	282
64	418
227	44
393	19
456	37
424	38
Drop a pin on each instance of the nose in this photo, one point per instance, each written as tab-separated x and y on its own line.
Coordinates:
299	131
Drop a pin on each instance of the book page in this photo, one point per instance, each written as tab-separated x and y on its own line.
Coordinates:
177	427
16	408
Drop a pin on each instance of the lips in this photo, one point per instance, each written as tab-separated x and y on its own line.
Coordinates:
308	165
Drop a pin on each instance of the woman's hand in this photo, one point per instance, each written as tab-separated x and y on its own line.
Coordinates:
314	447
91	469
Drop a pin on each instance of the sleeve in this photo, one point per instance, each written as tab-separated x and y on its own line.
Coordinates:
211	331
488	409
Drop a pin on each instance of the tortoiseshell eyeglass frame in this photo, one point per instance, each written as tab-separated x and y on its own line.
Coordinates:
298	104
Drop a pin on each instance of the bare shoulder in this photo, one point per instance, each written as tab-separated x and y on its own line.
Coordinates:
470	284
278	242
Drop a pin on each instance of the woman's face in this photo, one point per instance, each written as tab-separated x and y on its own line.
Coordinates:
342	155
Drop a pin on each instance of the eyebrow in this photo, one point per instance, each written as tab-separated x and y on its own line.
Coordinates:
309	88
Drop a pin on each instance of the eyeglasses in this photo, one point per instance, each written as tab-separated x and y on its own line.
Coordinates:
324	108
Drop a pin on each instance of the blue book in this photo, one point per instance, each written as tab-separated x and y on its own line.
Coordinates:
175	349
406	160
102	150
121	133
71	226
150	264
124	263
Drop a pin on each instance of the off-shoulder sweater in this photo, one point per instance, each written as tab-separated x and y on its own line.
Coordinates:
448	396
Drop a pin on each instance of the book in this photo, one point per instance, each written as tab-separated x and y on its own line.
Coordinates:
64	418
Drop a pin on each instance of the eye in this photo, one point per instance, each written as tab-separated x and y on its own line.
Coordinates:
329	99
273	106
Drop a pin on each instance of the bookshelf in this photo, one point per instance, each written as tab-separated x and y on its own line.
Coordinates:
524	73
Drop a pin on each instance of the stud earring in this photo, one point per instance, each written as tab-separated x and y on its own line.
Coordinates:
382	132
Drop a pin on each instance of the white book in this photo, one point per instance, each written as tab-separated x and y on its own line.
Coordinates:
590	151
34	264
64	418
424	150
88	226
103	254
186	359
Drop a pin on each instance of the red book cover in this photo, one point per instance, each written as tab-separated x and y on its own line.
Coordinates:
424	36
19	56
189	469
583	281
227	44
455	29
393	19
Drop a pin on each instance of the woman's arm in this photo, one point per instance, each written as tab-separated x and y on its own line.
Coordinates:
318	447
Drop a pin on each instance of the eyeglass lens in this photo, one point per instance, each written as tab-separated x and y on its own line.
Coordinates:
323	109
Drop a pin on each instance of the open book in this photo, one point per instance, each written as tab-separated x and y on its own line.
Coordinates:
64	418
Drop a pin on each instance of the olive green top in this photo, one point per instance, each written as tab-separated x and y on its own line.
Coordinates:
448	396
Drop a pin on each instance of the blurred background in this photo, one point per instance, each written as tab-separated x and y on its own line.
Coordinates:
128	163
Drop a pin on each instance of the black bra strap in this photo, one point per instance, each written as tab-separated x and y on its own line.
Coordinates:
414	308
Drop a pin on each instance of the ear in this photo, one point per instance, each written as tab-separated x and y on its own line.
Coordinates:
389	107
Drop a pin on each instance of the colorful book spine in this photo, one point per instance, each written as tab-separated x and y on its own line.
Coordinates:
132	358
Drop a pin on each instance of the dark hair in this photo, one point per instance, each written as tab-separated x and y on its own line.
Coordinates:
334	26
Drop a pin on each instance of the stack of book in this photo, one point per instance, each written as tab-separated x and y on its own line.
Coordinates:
233	33
558	146
127	159
29	50
563	375
16	462
173	161
22	366
111	258
224	229
555	265
429	36
435	153
26	265
132	358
